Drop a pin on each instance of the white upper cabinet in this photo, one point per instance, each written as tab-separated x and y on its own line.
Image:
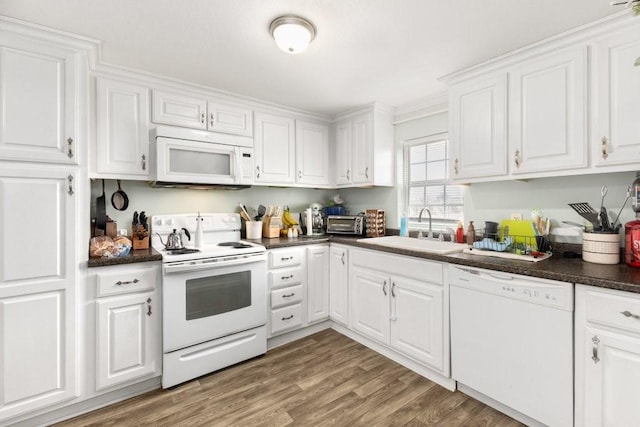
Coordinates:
198	113
41	92
122	130
312	153
343	153
229	119
364	154
179	110
274	149
478	128
616	141
547	112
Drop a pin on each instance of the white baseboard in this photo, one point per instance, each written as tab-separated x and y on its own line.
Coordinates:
89	405
288	337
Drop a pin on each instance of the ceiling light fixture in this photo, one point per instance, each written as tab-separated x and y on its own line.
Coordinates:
292	33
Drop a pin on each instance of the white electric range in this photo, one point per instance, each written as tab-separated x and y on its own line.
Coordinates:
214	296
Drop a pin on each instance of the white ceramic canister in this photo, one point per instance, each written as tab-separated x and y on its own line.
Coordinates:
601	248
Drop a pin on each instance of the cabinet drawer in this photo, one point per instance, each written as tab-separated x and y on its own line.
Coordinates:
286	277
613	310
415	268
123	282
286	296
285	258
286	318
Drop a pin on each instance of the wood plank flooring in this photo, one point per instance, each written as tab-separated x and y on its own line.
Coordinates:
323	379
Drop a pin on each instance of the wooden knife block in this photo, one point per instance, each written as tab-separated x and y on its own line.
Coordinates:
139	237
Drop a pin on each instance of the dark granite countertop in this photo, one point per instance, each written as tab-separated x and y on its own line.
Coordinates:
574	270
140	255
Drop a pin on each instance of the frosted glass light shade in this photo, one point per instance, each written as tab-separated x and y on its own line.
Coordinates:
292	33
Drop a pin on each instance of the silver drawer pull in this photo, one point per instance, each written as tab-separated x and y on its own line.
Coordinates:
149	307
287	277
128	282
288	295
287	258
627	313
288	317
594	356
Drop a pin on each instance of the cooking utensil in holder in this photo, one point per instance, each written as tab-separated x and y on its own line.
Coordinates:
375	222
586	211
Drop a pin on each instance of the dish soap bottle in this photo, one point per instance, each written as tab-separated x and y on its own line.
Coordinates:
471	233
460	233
404	230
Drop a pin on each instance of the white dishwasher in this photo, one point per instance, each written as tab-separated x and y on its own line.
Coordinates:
512	342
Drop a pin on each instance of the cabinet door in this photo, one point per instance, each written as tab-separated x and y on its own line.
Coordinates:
617	139
338	285
229	119
312	153
478	128
37	348
126	330
37	291
547	113
40	95
343	153
39	219
369	304
417	327
123	129
179	110
611	389
318	283
362	149
274	149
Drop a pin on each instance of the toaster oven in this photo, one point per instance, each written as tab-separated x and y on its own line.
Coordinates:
346	224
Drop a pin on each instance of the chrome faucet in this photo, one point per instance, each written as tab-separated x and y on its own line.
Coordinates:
430	235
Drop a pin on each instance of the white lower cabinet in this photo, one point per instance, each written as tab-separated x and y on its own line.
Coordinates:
339	284
402	306
287	282
317	283
128	324
607	357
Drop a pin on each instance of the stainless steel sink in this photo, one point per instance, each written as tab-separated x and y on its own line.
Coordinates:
419	245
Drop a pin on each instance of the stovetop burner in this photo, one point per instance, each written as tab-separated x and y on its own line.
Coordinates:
235	245
182	251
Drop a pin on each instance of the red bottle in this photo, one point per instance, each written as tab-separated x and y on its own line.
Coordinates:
632	243
459	233
632	229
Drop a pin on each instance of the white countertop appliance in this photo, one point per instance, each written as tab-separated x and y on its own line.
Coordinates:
213	298
512	343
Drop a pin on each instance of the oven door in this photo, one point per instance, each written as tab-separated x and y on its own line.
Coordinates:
210	303
190	162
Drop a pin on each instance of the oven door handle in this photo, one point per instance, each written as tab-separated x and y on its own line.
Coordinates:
210	264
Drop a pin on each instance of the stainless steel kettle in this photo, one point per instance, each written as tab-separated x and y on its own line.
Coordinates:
174	239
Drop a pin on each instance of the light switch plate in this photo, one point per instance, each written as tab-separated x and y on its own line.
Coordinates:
516	217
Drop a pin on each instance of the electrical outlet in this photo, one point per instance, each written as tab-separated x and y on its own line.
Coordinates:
516	216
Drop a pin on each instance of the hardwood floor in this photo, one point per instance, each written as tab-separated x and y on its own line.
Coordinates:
324	379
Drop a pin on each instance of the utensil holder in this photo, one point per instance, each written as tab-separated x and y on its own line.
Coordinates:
253	229
601	248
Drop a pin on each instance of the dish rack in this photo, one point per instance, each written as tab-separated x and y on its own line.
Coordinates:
504	245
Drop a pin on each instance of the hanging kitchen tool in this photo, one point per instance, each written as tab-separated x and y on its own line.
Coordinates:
586	211
119	199
101	211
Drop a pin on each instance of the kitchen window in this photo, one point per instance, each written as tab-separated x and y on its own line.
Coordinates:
426	175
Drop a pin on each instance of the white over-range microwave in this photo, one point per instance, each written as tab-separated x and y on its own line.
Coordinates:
194	158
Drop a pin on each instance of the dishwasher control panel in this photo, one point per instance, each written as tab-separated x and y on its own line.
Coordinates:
545	292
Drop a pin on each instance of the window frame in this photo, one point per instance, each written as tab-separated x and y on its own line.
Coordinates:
437	223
